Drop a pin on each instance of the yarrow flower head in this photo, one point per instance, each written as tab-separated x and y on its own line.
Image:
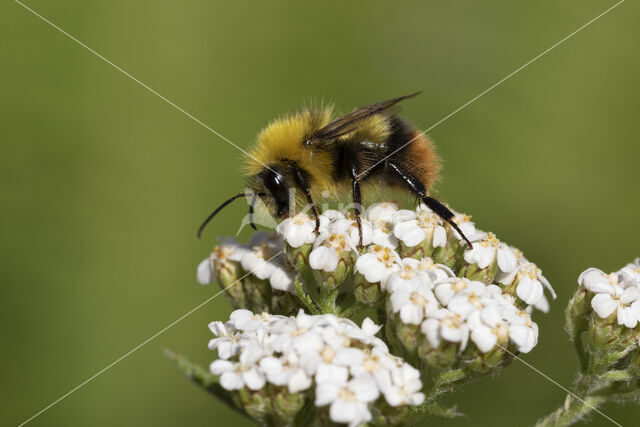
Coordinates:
603	321
344	366
453	311
471	320
615	293
257	275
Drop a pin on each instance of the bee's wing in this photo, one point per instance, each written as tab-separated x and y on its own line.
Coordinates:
349	122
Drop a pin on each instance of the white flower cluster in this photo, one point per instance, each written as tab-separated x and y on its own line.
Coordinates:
263	258
457	309
384	227
513	267
384	224
615	293
349	366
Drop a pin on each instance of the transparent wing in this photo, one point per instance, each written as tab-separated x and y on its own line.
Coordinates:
349	122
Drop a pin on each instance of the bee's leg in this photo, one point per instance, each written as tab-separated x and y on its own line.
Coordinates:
251	209
357	196
357	207
417	187
301	179
445	213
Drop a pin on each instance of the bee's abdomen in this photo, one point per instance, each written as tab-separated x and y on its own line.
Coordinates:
414	151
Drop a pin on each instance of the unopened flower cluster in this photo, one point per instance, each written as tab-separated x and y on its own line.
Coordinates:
615	294
603	317
342	367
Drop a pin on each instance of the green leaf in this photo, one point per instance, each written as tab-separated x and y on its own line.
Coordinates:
204	379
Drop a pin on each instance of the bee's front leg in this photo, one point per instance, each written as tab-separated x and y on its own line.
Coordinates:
301	179
357	195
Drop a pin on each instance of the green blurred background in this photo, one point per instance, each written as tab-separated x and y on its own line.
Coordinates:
103	184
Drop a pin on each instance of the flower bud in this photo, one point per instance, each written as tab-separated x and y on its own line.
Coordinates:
228	270
450	254
283	303
257	294
299	257
286	405
606	335
474	272
437	358
478	363
577	313
255	404
367	293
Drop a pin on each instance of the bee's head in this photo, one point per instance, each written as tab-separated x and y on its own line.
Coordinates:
275	185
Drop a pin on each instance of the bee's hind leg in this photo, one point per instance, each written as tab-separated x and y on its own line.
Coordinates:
417	187
445	213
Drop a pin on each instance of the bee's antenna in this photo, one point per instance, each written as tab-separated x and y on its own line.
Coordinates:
222	206
253	201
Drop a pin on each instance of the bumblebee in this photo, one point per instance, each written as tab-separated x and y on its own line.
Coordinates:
301	156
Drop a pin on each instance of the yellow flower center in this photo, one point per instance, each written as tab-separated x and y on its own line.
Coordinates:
338	241
459	285
428	220
491	241
382	226
384	255
517	252
427	264
501	331
529	269
474	300
371	364
453	322
264	316
327	353
301	218
346	394
418	299
299	331
527	318
223	252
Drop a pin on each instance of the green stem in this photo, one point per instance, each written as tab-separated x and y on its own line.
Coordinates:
578	344
589	391
572	411
617	375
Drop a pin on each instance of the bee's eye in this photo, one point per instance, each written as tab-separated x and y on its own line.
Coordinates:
274	182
